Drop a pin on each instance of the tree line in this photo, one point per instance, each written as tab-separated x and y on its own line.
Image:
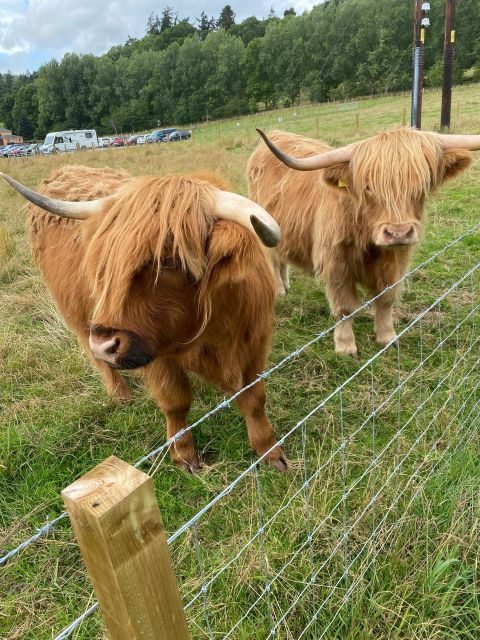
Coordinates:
184	71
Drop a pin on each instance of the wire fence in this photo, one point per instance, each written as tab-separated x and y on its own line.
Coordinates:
361	459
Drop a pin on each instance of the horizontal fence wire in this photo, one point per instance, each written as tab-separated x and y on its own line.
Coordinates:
444	418
50	525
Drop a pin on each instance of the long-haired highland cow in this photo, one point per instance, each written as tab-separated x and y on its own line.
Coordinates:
165	275
351	216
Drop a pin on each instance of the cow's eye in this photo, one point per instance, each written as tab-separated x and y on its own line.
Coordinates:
367	190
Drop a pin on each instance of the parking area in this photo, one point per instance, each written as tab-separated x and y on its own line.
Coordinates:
67	142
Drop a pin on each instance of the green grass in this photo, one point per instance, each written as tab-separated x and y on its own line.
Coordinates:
57	422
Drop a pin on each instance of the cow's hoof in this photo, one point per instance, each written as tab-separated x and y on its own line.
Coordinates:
347	350
391	341
279	463
191	466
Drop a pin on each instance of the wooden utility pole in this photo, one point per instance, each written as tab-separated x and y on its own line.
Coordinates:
448	56
119	530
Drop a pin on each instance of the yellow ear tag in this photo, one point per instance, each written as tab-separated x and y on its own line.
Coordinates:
341	183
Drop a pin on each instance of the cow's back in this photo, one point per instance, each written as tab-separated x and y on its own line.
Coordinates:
55	242
293	198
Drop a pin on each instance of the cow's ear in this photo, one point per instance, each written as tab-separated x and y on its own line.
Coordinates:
455	161
232	252
338	175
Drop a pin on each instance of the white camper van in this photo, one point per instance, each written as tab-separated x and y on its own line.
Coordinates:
69	140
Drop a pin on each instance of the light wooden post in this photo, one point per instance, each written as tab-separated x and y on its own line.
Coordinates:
404	116
317	127
357	123
119	530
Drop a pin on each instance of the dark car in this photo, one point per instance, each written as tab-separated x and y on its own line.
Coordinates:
132	140
176	136
159	135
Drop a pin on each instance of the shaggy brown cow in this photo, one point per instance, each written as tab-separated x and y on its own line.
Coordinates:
354	217
158	277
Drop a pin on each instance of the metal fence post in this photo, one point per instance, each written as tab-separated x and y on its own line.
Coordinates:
119	529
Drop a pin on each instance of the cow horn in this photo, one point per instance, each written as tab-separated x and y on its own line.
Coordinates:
231	206
320	161
63	208
456	141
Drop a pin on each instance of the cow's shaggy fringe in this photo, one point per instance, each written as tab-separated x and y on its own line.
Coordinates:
137	226
141	226
398	167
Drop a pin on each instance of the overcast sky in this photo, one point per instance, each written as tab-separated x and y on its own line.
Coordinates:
35	31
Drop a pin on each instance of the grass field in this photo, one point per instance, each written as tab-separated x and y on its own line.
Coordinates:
57	422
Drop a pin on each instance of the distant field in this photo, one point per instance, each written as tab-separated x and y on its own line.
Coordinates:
56	421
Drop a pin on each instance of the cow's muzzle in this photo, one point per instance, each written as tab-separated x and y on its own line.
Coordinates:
393	235
119	348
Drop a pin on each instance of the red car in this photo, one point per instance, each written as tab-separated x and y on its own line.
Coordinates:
118	142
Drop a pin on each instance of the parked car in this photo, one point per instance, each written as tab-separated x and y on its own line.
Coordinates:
132	140
104	142
176	136
31	150
118	142
141	139
4	150
159	135
16	151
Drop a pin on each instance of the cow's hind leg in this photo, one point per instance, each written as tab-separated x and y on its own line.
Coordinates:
285	275
115	383
170	388
280	274
260	433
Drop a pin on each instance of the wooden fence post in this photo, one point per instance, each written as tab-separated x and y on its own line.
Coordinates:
119	529
404	116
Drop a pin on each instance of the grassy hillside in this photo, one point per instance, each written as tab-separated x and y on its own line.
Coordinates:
56	422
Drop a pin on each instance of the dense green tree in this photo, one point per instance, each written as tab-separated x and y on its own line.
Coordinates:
226	18
167	19
249	29
153	25
205	25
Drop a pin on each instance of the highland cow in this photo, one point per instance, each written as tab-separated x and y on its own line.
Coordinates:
164	275
353	218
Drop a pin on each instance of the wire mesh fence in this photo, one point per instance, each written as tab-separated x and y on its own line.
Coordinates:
298	555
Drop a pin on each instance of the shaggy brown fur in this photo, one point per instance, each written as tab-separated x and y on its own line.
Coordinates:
179	291
333	220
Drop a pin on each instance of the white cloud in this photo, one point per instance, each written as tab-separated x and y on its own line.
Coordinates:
50	28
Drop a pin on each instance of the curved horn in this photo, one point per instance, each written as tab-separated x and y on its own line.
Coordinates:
455	141
231	206
320	161
63	208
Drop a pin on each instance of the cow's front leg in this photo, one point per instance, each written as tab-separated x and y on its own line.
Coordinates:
384	329
343	298
260	433
170	388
